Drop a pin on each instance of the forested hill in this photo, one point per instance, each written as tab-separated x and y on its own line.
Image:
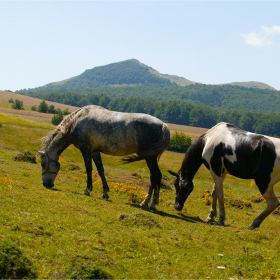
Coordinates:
224	96
131	86
128	72
133	78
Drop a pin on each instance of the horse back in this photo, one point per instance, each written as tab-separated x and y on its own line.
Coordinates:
117	133
242	154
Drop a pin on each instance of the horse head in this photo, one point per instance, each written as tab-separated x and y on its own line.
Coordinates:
183	189
50	168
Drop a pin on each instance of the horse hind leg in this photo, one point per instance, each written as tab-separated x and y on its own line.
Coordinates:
155	178
147	199
100	169
272	204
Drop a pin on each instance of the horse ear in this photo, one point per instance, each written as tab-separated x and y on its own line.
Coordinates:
173	173
42	153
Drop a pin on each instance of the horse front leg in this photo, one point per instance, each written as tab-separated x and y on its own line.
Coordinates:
272	204
88	164
100	169
218	194
213	210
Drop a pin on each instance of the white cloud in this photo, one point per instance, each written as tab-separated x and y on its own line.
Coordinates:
265	37
273	30
256	40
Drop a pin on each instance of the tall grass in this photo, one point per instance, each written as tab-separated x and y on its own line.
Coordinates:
61	228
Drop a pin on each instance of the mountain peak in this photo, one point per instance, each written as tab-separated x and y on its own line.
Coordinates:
130	72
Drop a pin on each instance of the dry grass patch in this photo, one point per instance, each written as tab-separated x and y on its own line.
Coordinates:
193	132
28	101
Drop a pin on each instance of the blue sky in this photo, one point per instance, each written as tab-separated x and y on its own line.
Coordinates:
211	42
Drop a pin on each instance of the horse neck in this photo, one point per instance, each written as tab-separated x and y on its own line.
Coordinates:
192	160
58	145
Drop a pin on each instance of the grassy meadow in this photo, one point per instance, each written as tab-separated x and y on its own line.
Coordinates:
61	228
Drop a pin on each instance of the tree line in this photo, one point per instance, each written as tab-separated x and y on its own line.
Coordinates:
214	96
176	111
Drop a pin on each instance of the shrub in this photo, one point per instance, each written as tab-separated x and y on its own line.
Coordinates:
66	112
57	118
86	271
17	104
13	265
33	108
179	142
43	107
26	156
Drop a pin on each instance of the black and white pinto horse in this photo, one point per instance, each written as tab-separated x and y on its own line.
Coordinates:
95	130
225	149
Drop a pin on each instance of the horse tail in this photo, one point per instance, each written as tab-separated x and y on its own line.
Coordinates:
155	149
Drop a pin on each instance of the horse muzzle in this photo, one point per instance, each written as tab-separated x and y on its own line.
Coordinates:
178	206
48	184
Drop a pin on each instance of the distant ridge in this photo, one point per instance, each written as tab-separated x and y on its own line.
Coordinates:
131	72
251	85
128	72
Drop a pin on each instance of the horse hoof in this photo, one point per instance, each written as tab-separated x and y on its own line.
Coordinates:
210	220
144	204
152	207
220	223
86	192
104	196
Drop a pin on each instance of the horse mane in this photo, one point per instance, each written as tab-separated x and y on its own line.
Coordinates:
193	158
65	127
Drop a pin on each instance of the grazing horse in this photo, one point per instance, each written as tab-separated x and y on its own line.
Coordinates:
94	130
225	149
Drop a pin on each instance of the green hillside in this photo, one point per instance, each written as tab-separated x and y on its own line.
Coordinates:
133	78
128	72
130	86
252	84
65	235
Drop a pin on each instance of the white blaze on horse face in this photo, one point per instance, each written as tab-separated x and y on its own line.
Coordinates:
217	137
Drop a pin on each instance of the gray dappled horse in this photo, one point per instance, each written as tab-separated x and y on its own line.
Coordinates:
95	130
226	149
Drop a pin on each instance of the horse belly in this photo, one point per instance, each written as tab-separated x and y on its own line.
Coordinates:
118	149
241	170
114	145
